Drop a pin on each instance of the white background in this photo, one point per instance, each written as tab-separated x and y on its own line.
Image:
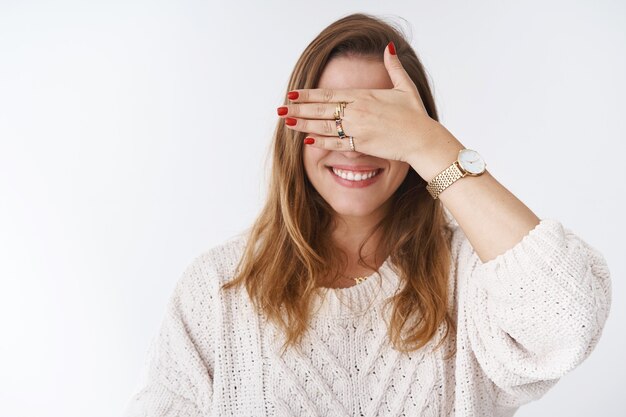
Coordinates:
133	136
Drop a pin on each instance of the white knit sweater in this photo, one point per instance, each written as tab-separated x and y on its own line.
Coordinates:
524	319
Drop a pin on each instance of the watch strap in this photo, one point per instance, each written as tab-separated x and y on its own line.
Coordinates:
444	179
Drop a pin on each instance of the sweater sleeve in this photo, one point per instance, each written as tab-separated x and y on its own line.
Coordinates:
178	377
535	312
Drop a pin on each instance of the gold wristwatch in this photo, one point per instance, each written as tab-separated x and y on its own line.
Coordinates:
469	162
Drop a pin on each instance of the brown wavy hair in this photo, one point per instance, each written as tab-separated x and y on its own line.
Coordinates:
289	247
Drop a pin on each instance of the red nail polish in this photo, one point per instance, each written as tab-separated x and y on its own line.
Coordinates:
282	111
392	48
309	141
290	121
292	95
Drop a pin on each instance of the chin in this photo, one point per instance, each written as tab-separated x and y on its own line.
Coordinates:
353	209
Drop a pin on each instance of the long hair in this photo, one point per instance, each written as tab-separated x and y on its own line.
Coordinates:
289	248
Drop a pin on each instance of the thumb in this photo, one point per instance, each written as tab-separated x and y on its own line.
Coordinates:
399	77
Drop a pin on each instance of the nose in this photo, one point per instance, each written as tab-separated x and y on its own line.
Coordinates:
352	154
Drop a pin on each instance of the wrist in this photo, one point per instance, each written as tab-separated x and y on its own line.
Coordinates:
437	152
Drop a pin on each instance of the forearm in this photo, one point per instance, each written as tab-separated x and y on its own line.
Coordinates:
492	218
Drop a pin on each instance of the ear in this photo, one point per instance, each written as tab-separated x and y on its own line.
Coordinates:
397	73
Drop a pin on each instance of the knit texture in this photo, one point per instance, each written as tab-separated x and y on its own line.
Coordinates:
523	320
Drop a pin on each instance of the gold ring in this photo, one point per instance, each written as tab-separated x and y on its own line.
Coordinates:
339	109
338	114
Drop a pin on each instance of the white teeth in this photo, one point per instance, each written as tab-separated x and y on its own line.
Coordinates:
352	176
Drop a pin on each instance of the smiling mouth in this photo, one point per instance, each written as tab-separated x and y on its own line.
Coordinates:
354	175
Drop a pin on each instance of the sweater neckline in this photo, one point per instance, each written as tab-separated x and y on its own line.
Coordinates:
357	299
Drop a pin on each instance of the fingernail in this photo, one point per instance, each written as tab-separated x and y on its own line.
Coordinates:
292	95
290	121
309	141
282	111
392	48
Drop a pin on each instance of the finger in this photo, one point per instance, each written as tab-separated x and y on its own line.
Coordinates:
322	95
330	143
308	110
399	77
315	127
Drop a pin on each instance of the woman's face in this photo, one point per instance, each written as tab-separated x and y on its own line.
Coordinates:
354	199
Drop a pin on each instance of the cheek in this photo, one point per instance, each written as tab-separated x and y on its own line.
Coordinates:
312	157
401	169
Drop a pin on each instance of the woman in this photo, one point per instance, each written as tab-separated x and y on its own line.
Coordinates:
388	274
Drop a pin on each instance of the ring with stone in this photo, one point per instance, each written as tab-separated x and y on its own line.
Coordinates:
340	131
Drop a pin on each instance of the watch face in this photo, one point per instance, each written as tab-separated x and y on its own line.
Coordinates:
472	162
